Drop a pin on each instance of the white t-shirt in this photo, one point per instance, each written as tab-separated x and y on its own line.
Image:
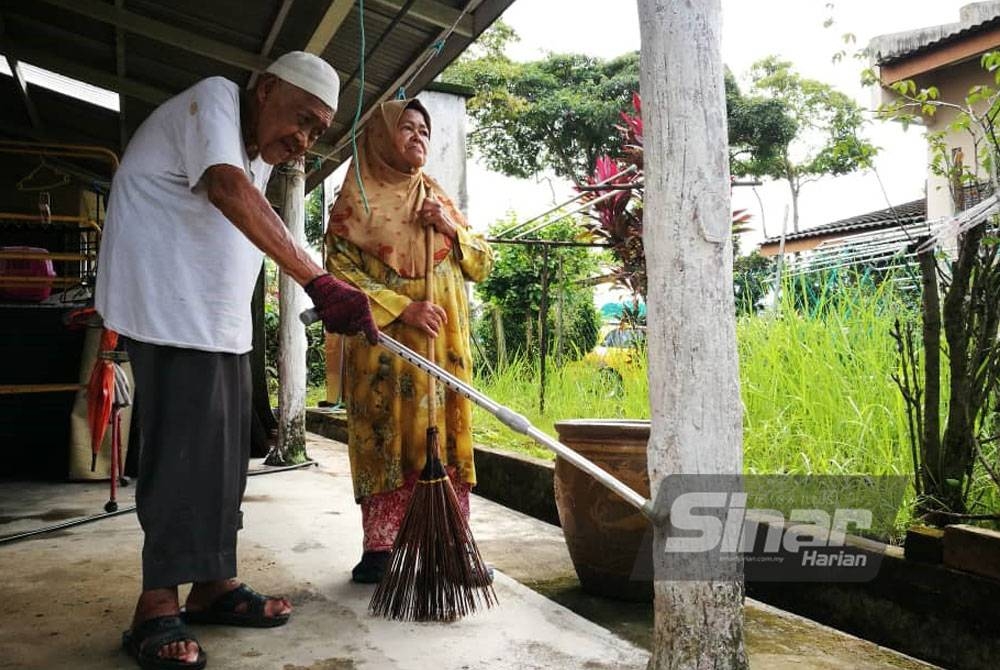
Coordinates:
172	269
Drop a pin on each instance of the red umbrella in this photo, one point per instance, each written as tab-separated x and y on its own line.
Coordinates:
101	394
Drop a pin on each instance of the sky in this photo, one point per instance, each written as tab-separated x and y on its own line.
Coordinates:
752	29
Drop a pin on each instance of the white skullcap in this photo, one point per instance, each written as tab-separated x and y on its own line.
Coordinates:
310	73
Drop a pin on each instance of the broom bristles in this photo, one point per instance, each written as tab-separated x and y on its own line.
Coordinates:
436	572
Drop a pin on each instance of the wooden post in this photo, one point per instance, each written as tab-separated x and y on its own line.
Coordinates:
693	382
291	445
543	329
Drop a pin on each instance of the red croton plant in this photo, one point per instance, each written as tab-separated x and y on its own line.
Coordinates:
616	216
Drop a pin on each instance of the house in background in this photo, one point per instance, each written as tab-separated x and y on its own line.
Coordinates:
908	215
947	57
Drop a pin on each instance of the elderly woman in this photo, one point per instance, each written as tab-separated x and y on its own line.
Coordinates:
376	241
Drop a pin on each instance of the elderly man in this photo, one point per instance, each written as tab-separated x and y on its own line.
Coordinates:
181	253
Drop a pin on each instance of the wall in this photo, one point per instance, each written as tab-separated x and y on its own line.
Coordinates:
447	159
954	84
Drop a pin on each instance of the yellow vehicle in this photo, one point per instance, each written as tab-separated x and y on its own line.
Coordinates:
619	346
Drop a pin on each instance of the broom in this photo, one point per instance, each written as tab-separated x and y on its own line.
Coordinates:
435	572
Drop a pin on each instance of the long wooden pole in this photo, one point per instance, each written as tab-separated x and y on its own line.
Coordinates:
429	297
291	445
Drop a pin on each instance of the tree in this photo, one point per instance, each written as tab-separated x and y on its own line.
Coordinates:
561	113
752	279
696	420
827	122
759	128
512	294
953	433
557	113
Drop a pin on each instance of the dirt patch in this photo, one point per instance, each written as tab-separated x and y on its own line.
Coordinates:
303	547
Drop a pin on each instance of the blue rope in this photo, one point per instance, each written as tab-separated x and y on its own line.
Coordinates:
357	113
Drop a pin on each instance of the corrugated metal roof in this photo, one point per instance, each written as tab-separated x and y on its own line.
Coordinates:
906	214
974	18
148	51
938	42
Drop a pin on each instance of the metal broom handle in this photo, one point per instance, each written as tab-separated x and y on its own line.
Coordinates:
516	422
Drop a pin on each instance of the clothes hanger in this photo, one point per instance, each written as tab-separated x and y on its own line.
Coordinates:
25	183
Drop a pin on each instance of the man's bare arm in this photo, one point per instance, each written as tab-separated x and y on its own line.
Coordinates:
229	189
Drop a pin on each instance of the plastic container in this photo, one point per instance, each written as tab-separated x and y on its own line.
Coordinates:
34	292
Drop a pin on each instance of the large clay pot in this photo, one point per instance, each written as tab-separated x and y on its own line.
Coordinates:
604	533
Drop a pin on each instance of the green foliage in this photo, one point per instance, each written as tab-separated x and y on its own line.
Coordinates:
558	113
562	112
759	129
827	139
751	281
513	294
314	218
955	353
315	352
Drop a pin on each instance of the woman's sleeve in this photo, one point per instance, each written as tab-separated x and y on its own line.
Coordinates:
345	262
476	257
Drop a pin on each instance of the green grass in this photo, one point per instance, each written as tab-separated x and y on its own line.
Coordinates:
573	391
817	391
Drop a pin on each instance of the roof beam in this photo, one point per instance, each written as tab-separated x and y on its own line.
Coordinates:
328	26
434	14
272	35
19	81
164	32
120	71
91	75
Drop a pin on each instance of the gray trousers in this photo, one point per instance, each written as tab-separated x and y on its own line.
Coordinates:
194	447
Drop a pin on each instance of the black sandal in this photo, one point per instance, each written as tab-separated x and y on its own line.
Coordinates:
143	643
225	610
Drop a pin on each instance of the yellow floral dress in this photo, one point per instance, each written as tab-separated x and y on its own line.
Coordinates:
386	396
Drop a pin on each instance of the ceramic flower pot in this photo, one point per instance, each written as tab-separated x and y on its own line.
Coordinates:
604	534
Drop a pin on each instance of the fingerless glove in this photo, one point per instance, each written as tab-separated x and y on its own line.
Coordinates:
342	308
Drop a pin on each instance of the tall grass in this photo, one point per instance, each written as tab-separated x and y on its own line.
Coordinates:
816	384
817	390
573	391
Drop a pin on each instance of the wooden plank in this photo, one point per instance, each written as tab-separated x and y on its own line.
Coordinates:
272	35
433	13
164	32
972	549
328	26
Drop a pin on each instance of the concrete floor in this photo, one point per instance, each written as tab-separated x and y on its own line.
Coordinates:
68	594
